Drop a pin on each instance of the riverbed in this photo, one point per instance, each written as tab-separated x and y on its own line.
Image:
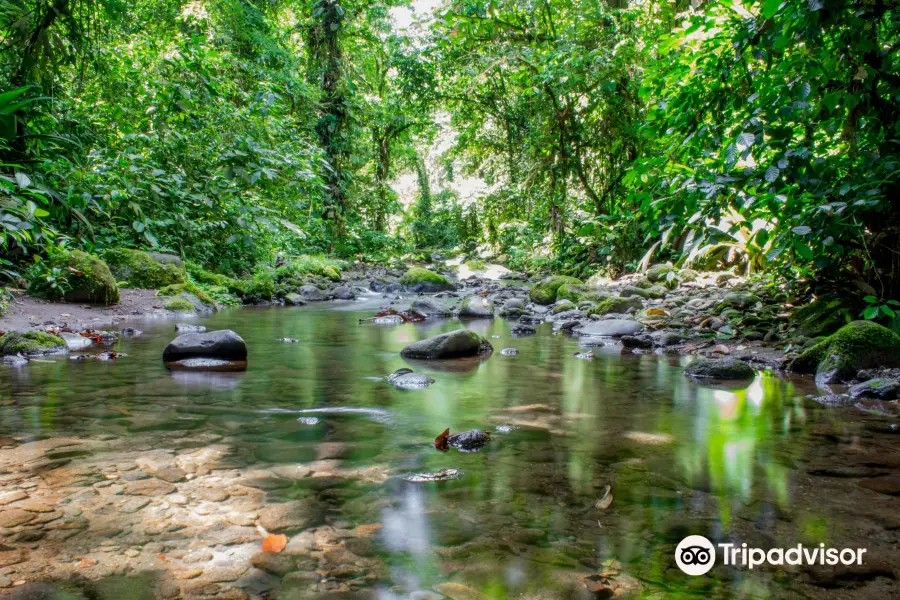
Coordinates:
124	480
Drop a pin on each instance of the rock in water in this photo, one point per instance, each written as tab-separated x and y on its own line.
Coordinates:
610	328
881	389
509	352
223	344
186	328
721	368
312	294
407	380
455	344
75	341
429	308
466	441
476	307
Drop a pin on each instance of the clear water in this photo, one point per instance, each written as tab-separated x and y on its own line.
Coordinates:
760	465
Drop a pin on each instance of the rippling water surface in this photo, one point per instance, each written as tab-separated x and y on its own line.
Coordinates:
761	465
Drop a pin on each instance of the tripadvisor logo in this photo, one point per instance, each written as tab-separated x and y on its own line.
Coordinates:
696	555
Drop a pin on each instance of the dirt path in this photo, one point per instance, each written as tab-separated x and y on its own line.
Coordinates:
26	312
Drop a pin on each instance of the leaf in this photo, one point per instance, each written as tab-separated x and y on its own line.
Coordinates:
274	543
814	5
888	311
801	230
440	442
605	500
22	179
656	312
870	312
772	174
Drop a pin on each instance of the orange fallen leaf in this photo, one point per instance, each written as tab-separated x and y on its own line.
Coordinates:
368	529
274	543
658	312
86	562
121	411
440	442
162	557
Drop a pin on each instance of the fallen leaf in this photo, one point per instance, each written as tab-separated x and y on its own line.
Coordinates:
86	562
605	500
274	543
162	557
722	349
657	312
121	411
440	442
368	529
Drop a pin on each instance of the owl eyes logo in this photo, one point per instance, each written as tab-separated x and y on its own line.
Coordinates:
695	555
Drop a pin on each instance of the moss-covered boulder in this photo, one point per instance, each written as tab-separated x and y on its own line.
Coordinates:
90	278
857	345
688	275
616	305
545	292
180	305
141	269
562	306
417	279
31	343
658	273
579	293
331	273
822	317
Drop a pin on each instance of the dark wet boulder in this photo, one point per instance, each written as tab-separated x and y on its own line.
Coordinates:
429	308
311	293
522	328
857	345
408	380
418	279
476	307
455	344
641	342
344	292
383	285
223	345
730	369
880	389
610	328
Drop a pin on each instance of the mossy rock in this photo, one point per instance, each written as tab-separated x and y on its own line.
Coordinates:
417	279
562	306
688	275
31	343
178	289
616	305
331	273
90	277
546	291
180	305
208	278
658	273
141	269
857	345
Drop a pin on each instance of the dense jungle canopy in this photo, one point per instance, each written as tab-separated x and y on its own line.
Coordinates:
761	135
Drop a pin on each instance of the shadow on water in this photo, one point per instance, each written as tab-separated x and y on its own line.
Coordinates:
310	423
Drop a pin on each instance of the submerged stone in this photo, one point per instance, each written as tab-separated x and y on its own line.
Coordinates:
408	380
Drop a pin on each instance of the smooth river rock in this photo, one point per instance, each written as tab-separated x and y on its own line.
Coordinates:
720	368
455	344
610	328
223	344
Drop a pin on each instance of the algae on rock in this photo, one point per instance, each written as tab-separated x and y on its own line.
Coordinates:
857	345
546	291
141	269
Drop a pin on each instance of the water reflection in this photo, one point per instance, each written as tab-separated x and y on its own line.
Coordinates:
680	458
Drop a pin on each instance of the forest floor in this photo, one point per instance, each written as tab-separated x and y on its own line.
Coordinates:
25	312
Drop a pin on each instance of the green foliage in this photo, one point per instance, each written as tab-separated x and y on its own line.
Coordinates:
882	310
72	275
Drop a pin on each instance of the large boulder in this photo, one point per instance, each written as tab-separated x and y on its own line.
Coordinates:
881	389
142	270
857	345
89	277
418	279
720	368
545	291
311	293
223	344
31	343
610	328
514	307
429	308
455	344
476	307
658	273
